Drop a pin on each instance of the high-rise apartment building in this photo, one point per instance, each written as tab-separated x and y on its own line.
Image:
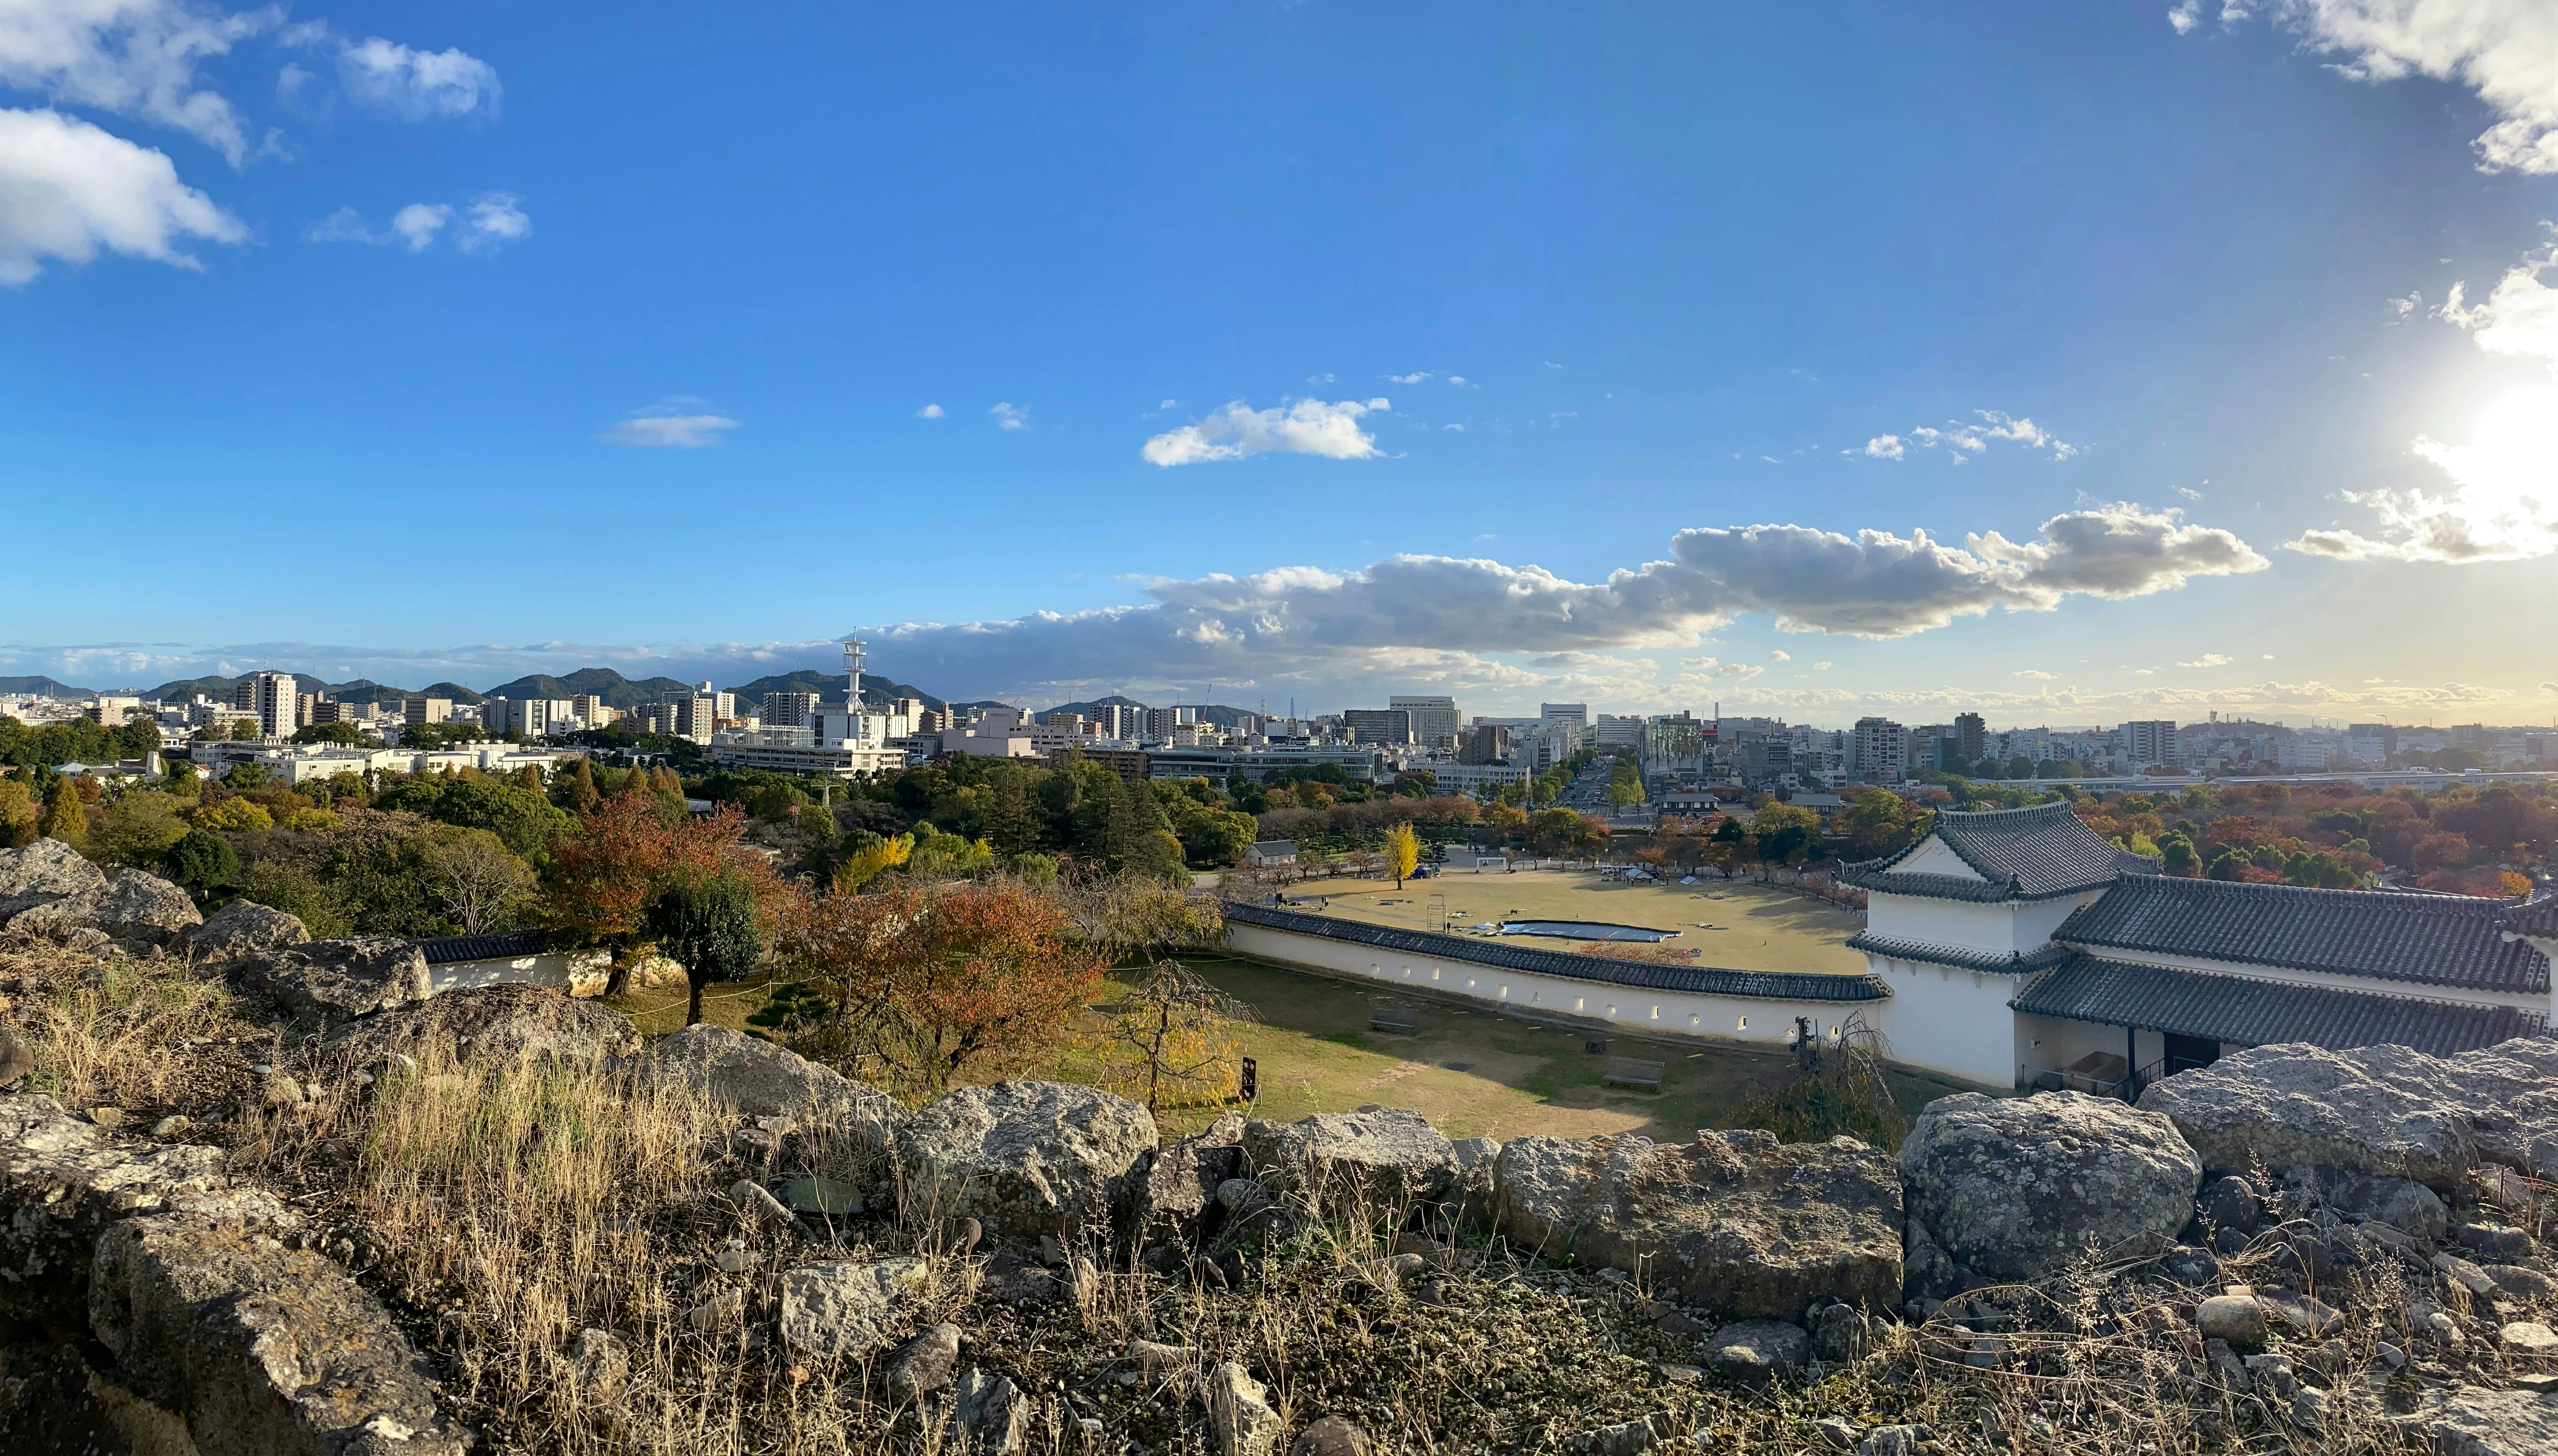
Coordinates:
426	710
2150	740
1968	733
788	709
275	698
1486	742
1435	721
1879	745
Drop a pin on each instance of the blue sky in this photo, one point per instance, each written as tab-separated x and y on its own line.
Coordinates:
1297	351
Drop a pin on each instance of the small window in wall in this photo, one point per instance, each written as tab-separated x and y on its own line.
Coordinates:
1656	1013
1611	1009
1581	1004
1692	1019
1433	972
1744	1023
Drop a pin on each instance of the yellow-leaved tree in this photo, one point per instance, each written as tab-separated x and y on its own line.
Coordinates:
870	858
1170	1042
1402	853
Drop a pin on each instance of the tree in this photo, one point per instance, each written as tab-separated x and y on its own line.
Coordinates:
329	733
710	923
924	982
2176	856
1402	853
1171	1042
576	789
602	878
202	863
1784	833
1879	822
64	818
244	731
18	814
868	855
233	815
474	877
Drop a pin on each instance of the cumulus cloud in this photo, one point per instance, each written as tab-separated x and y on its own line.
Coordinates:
930	412
1305	427
419	223
2208	659
497	218
409	85
132	57
1010	416
1962	440
1709	666
675	424
68	189
2505	50
2502	500
2185	15
493	220
1414	377
2036	674
1780	657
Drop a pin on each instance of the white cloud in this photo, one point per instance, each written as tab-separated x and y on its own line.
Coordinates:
1551	364
343	226
675	424
1460	429
2506	51
1709	666
930	412
497	218
1010	416
2036	674
417	86
2208	659
1459	380
419	223
1780	657
2188	491
1169	404
1414	377
2402	308
1820	667
68	189
2186	15
133	57
1311	379
2503	504
1961	441
1307	426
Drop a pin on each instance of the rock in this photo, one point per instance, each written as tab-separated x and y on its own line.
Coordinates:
1839	1334
1736	1220
2374	1110
2529	1338
994	1416
2273	1375
2230	1203
847	1308
2304	1313
2401	1203
1382	1159
2466	1274
2521	1282
42	874
2473	1420
246	928
733	1258
279	1091
827	1196
2020	1187
2310	1409
2227	1363
1240	1418
264	1350
1681	1375
2237	1318
329	983
1332	1437
1242	1197
17	1057
758	1080
1472	1191
1182	1183
1625	1438
1680	1322
1836	1431
492	1025
718	1312
2188	1265
923	1365
127	905
1928	1270
2230	1243
758	1203
599	1358
1013	1279
2492	1241
1893	1440
107	1117
63	1182
1756	1351
171	1126
1157	1362
1027	1158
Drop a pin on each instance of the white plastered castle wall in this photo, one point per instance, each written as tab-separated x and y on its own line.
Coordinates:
2010	927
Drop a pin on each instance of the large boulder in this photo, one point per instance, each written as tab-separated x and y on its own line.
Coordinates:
847	1308
2511	1092
495	1025
63	1182
41	873
1382	1159
264	1350
2017	1187
1736	1220
851	1124
1027	1158
1181	1184
244	928
333	982
2375	1109
129	905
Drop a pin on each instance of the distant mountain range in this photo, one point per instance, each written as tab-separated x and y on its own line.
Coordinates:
40	687
1216	713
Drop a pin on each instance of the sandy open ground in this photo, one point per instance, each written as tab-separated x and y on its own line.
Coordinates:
1756	927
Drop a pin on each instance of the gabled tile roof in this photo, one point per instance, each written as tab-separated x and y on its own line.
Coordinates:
2540	917
2014	963
500	945
2264	1014
2435	939
2032	854
1606	970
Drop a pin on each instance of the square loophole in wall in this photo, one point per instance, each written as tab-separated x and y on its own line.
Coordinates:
1596	1046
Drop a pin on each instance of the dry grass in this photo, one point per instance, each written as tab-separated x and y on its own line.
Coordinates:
110	1030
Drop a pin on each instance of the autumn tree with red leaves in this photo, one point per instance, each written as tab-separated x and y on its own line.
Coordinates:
604	877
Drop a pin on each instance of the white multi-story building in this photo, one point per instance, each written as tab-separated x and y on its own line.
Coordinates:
1435	721
788	709
2150	740
275	698
1477	780
1879	748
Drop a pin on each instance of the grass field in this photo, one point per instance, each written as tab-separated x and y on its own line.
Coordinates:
1469	1070
1756	927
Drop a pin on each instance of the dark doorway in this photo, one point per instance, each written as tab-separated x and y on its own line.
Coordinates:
2184	1053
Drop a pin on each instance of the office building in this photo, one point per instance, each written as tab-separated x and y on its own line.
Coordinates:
1968	733
275	698
1881	750
1379	725
426	710
788	709
1435	721
1575	714
2150	742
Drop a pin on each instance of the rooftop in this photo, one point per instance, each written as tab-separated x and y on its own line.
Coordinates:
2264	1013
2032	854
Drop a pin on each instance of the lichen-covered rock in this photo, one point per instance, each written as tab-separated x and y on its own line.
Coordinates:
1181	1184
329	983
2017	1187
1384	1158
1240	1416
2475	1421
2403	1204
853	1125
127	905
63	1182
1757	1351
1027	1158
846	1308
244	928
1736	1220
264	1350
2374	1110
41	873
494	1026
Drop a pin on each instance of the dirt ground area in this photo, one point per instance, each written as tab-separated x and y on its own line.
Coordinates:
1732	925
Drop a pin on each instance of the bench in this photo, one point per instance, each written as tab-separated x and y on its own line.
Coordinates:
1389	1016
1634	1072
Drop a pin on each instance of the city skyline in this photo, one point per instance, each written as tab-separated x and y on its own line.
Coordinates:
2128	362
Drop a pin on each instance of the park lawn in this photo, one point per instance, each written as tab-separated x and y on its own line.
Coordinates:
1759	927
1470	1070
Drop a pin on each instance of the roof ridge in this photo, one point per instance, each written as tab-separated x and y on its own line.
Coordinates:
2404	899
1993	813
